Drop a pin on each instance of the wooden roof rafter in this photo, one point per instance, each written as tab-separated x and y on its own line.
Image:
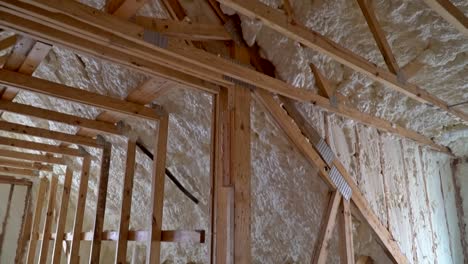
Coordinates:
450	13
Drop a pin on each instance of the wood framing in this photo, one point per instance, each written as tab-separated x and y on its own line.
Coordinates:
124	8
125	209
157	192
62	216
7	42
451	13
101	202
36	221
19	172
379	35
37	85
44	247
326	231
5	179
347	248
25	164
31	157
17	143
183	29
276	20
49	134
45	114
212	65
25	230
79	213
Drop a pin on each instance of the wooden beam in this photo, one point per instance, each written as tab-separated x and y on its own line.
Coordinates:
45	114
276	20
450	13
62	216
157	192
379	35
31	157
7	215
124	9
36	221
173	236
37	85
100	203
79	213
364	260
300	138
125	209
18	143
25	230
7	42
241	73
322	83
44	248
10	180
49	134
183	29
326	231
25	165
19	53
19	172
347	248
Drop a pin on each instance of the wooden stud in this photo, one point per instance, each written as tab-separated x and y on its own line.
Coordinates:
326	231
379	35
79	213
125	209
19	172
44	248
450	13
62	216
25	230
324	86
124	9
45	114
7	215
25	165
31	157
17	143
101	202
183	29
7	42
49	134
36	221
6	179
157	192
347	248
37	85
364	260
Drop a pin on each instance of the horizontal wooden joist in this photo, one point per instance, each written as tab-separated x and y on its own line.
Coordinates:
25	165
72	120
180	236
7	42
11	180
183	29
49	134
37	85
210	62
31	157
18	143
19	172
278	21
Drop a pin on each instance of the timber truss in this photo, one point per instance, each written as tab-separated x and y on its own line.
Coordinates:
142	45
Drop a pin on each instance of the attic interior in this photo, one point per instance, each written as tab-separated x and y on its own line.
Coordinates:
233	131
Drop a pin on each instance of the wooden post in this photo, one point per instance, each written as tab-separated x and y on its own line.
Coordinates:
7	214
326	231
25	228
347	247
37	219
157	191
125	209
44	249
62	216
79	214
101	201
